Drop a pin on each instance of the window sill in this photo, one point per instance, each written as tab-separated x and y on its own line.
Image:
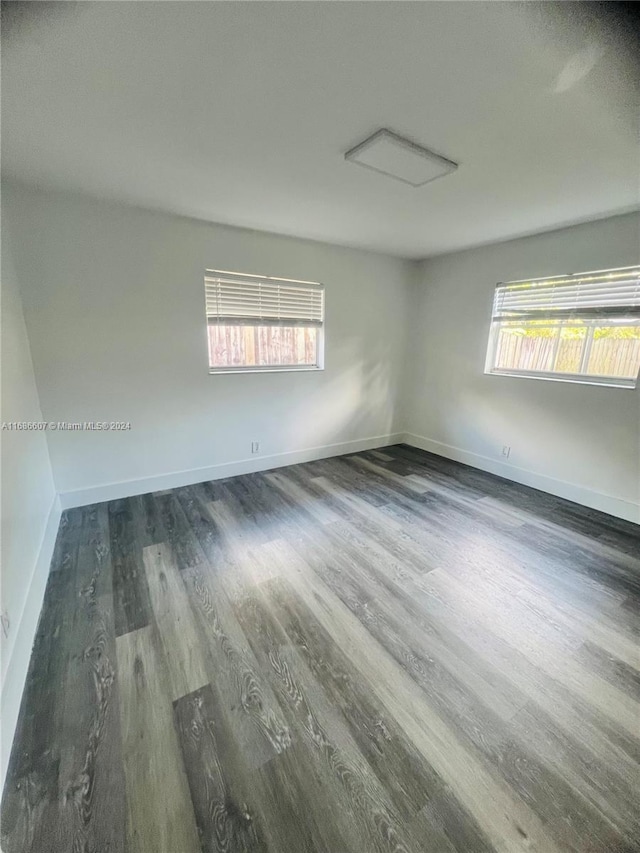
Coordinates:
604	382
215	371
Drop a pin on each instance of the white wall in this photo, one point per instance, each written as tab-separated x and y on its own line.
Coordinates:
578	441
29	511
114	305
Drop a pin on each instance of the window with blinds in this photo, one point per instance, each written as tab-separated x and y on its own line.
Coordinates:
574	328
263	323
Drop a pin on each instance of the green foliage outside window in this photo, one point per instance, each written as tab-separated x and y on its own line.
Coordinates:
576	331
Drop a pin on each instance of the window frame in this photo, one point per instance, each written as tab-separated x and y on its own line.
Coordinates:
496	324
283	323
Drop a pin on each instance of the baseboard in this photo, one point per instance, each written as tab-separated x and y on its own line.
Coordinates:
18	666
175	479
570	491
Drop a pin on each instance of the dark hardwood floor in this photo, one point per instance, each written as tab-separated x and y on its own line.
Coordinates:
381	652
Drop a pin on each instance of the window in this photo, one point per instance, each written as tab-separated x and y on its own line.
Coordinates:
263	323
572	328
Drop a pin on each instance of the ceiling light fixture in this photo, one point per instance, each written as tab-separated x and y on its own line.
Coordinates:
393	155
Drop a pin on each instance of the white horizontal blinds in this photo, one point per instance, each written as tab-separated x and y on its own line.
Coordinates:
606	294
233	299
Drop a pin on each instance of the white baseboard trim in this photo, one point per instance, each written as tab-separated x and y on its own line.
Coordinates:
175	479
570	491
18	665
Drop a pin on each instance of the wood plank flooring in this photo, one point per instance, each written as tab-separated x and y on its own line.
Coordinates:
380	652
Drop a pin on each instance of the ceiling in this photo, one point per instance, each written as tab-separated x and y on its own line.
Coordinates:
240	113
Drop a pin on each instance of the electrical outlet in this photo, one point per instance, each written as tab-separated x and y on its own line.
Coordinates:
255	447
506	451
6	622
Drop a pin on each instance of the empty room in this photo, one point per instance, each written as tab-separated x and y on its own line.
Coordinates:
320	433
